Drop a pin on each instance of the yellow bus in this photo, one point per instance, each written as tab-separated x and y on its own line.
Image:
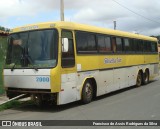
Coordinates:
63	62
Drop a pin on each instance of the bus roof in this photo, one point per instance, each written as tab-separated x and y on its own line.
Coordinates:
82	27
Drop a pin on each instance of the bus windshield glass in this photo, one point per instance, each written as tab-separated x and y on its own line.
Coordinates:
32	49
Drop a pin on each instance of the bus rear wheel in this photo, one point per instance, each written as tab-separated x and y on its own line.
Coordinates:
139	79
87	92
146	78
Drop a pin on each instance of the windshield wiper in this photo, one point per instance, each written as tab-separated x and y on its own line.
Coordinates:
31	61
14	64
13	67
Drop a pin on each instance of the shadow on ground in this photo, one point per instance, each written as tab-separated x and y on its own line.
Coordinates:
55	108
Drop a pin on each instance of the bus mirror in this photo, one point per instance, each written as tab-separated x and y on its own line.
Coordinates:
65	44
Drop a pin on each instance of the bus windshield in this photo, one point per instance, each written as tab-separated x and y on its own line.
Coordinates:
32	49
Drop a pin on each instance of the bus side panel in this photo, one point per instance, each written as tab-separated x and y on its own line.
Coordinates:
105	82
154	71
120	78
131	75
68	91
149	59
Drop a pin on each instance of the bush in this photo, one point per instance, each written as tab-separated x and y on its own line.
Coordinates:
3	50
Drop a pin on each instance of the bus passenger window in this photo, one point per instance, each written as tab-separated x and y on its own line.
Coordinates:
86	42
128	46
139	46
91	42
119	44
147	46
108	44
101	44
154	47
104	44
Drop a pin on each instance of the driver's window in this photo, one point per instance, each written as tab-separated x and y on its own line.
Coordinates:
68	58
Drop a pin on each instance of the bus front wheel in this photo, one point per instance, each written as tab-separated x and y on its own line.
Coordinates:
87	92
37	99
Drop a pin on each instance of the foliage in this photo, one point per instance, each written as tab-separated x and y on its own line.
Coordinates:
8	105
4	29
3	47
158	37
15	104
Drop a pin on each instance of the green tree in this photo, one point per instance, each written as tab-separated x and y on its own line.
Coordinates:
158	37
4	29
3	48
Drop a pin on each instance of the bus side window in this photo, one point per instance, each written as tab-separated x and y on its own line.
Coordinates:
154	47
114	47
68	57
119	45
139	46
128	45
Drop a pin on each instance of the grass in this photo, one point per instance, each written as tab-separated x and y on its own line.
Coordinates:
15	104
9	105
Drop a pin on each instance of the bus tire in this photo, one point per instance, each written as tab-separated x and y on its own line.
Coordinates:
146	77
37	99
139	79
87	92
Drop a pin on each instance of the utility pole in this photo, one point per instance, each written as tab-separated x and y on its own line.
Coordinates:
62	10
115	25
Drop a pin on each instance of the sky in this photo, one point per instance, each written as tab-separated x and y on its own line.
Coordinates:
136	16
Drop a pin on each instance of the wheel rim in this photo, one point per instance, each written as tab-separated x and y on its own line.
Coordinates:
88	91
139	79
38	100
146	77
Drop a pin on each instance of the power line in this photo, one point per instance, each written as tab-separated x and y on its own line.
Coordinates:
136	13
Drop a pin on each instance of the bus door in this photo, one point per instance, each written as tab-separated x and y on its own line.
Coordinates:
68	71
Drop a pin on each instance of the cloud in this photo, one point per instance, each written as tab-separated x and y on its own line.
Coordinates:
95	12
12	8
125	13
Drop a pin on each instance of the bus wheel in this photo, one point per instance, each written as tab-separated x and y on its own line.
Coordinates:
38	100
139	79
146	78
87	92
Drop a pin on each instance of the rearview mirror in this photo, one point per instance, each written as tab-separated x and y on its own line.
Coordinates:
65	44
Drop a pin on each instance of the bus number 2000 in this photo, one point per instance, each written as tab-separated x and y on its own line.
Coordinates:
42	79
